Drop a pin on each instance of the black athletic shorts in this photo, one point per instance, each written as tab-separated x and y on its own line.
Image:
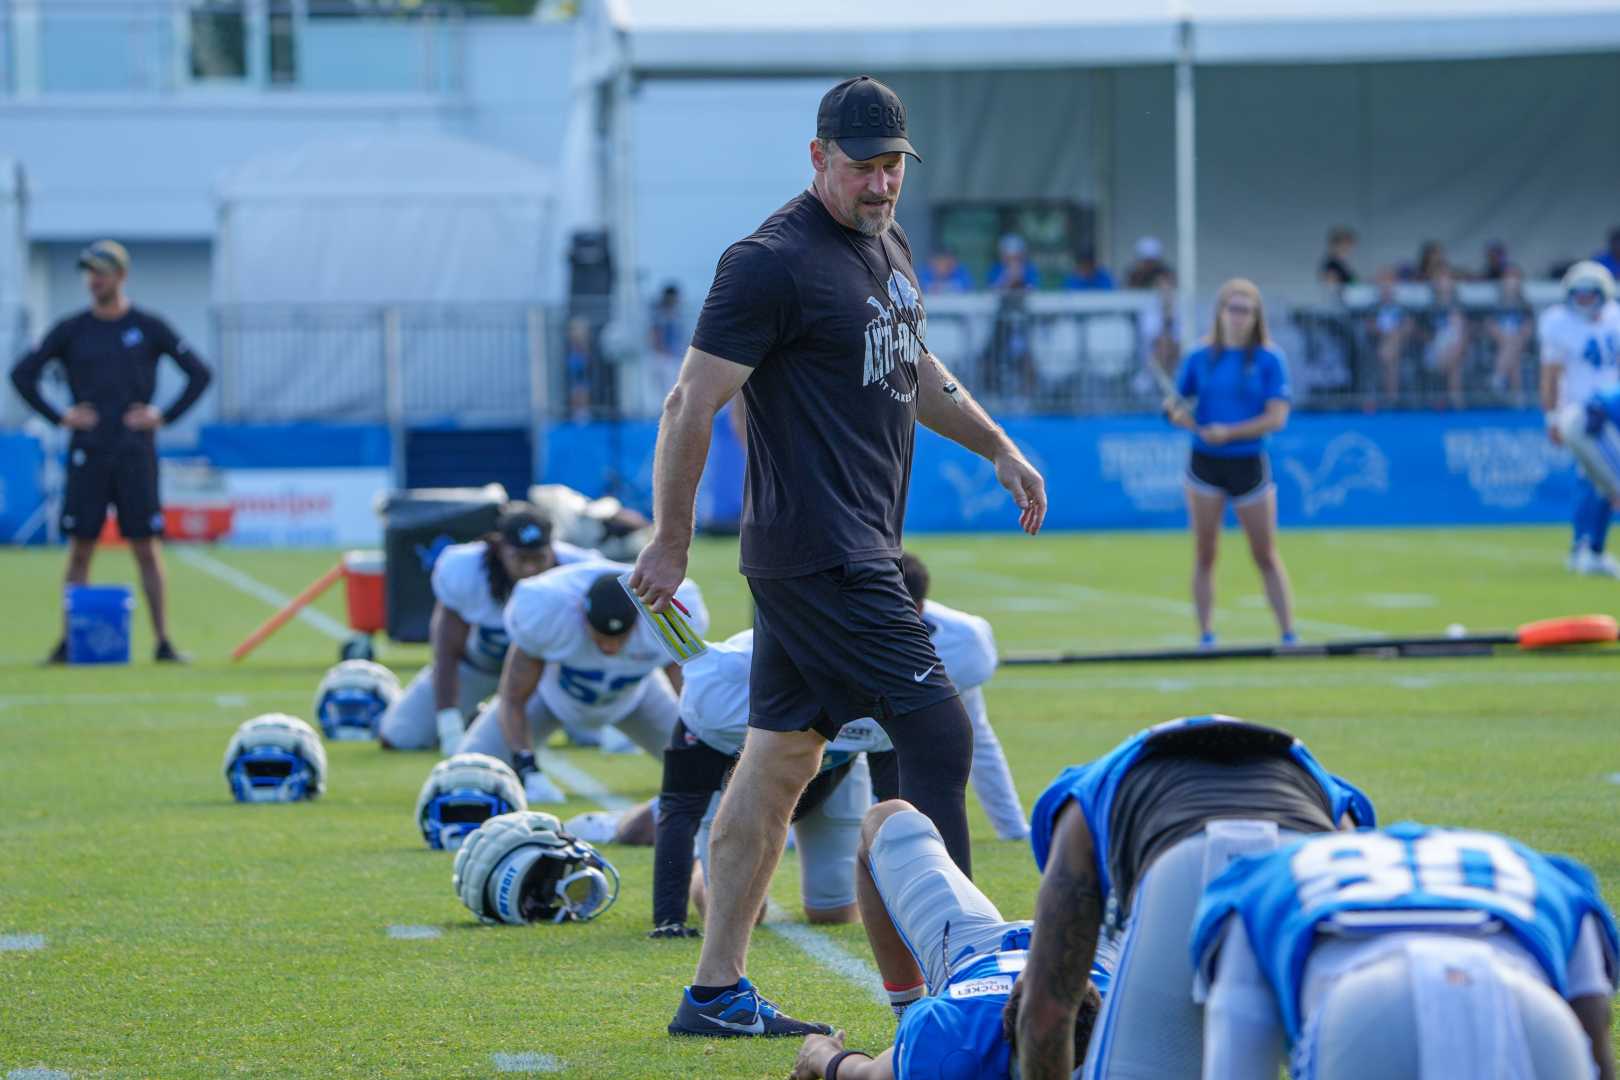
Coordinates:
838	645
125	477
1238	478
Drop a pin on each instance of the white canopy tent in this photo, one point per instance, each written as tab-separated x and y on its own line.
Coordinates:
410	218
13	271
944	42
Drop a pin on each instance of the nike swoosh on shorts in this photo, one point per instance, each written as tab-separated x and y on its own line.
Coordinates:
924	675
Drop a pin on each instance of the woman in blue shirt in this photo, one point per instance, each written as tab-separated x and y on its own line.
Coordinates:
1233	393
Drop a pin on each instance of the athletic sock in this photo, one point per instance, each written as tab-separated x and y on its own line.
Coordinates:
705	994
902	997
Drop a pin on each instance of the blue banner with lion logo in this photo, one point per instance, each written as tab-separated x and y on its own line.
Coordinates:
1125	472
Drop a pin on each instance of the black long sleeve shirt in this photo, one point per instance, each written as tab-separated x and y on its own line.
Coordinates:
111	364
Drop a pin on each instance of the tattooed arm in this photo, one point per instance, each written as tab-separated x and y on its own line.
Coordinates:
1068	915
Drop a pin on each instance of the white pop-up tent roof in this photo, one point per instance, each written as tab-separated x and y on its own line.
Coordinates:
391	219
737	36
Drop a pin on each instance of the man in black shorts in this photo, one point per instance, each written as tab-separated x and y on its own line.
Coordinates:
817	317
111	353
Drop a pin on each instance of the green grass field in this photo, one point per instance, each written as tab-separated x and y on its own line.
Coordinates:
188	936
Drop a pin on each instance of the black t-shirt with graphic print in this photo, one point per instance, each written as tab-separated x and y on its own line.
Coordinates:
830	321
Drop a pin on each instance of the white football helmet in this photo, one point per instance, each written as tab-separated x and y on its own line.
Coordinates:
1588	285
522	868
352	698
461	793
275	758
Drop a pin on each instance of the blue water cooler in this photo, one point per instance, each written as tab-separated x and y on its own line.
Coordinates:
98	618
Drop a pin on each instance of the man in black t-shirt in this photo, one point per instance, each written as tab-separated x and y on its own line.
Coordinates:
111	353
818	318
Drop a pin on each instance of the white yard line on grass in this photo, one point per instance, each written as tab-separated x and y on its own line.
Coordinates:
527	1061
224	701
252	586
813	943
1041	592
414	933
37	1074
1254	681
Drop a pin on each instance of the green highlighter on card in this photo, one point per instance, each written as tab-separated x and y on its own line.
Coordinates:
673	632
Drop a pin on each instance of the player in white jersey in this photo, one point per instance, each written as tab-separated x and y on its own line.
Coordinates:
579	656
467	633
1406	953
967	649
702	750
1580	356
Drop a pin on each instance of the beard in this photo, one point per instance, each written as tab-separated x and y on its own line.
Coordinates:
873	219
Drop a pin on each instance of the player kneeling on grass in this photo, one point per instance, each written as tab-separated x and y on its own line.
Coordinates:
352	699
523	868
1409	952
467	633
702	749
1126	844
275	758
932	930
461	793
579	656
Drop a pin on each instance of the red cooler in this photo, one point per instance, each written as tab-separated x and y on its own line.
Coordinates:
363	581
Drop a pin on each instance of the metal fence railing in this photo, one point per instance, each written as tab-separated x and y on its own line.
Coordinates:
474	365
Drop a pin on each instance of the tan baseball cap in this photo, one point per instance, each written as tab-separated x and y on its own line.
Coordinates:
107	256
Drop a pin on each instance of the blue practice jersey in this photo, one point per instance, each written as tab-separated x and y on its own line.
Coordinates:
1232	387
1405	877
1094	785
956	1034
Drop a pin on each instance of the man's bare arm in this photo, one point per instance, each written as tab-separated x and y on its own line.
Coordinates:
1068	916
448	633
946	407
520	674
706	383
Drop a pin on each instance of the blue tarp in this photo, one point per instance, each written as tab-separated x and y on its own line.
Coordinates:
1122	472
294	446
22	460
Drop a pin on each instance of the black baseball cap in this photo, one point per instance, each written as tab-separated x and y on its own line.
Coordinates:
865	118
522	527
608	607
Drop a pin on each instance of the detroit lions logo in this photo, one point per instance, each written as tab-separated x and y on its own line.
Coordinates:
133	337
1350	462
890	339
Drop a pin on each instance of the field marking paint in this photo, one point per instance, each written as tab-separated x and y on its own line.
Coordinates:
414	933
1613	778
1021	587
21	942
20	701
38	1074
1400	601
1007	681
252	586
813	943
527	1061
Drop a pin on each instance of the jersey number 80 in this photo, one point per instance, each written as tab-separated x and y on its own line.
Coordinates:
1369	868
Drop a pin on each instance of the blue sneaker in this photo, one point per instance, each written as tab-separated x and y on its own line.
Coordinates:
738	1012
1206	640
1290	639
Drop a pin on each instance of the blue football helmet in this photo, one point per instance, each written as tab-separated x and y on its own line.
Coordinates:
461	793
352	698
275	758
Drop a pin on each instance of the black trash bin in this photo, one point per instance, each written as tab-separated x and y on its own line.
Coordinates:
417	525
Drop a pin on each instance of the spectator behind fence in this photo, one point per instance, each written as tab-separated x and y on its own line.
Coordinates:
1445	333
665	341
1087	275
1149	264
1431	261
580	364
1389	326
1334	271
1161	337
1496	261
1013	270
1510	326
1609	259
944	274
